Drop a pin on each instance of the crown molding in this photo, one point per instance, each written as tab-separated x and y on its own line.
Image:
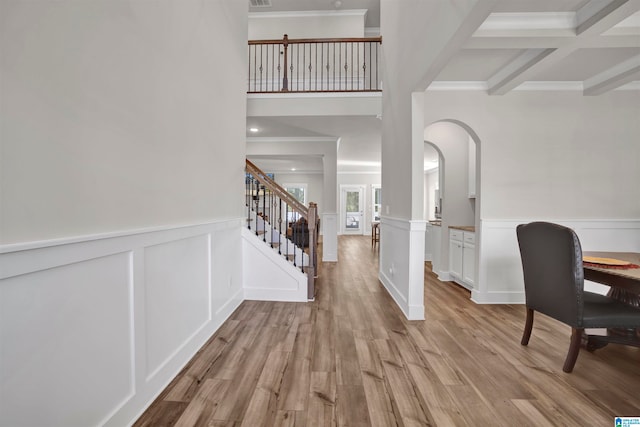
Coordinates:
292	139
526	86
529	21
458	85
307	13
550	86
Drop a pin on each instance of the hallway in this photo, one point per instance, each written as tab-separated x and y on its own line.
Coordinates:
351	358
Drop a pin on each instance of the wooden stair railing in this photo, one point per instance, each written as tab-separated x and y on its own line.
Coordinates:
277	195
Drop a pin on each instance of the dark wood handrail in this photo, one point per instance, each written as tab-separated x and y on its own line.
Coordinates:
348	64
325	40
277	190
310	214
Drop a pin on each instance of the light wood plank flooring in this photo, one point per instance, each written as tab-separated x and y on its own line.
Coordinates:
350	358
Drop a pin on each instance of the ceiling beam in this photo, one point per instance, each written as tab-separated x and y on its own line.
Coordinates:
614	77
596	17
591	20
478	14
509	76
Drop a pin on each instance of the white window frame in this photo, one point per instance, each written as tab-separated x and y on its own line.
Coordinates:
373	201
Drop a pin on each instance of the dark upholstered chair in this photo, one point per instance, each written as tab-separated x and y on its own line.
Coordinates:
554	285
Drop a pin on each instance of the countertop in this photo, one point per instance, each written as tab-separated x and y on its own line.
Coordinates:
437	223
469	228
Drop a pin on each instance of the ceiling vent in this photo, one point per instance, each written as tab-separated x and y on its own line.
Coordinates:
260	3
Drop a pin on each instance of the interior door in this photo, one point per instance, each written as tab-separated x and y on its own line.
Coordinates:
352	209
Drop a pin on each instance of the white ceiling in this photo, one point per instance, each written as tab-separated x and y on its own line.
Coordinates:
588	45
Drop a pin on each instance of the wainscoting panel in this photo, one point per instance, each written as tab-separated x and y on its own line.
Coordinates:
92	329
500	279
63	331
402	264
175	312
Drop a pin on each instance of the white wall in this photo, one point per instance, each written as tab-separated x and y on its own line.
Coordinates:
117	115
431	183
297	25
556	156
551	154
314	182
122	173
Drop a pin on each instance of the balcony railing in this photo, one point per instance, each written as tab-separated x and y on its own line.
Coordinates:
314	65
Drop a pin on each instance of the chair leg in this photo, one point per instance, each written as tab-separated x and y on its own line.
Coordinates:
528	326
574	349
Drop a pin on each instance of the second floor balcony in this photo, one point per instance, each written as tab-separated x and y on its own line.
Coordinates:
314	65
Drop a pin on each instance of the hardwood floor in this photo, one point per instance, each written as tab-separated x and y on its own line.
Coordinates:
350	358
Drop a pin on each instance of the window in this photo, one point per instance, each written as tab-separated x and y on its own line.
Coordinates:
299	191
376	200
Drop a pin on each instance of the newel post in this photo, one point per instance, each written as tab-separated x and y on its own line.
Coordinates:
285	79
312	271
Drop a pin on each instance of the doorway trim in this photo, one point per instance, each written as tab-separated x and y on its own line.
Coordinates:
361	189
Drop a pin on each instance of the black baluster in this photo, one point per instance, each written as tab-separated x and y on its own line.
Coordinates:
264	213
256	199
247	197
280	228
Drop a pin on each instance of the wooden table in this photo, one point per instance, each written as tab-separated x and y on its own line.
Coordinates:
625	287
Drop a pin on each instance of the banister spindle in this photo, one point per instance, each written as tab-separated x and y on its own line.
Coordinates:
285	79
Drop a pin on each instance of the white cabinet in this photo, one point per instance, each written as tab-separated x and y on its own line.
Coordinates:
436	246
469	258
462	257
455	254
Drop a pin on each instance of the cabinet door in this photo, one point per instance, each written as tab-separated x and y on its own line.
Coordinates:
455	259
469	264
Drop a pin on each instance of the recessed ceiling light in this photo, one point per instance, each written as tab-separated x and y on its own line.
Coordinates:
293	169
254	130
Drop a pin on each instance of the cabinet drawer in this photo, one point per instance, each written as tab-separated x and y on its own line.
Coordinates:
470	237
456	235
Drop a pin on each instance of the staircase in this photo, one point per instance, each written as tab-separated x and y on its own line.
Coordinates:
282	223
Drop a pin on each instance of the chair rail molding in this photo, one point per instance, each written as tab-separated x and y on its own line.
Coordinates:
152	297
500	279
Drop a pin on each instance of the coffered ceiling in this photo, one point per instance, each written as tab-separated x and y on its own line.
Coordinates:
591	46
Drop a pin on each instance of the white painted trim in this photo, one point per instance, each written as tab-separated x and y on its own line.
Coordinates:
443	276
23	246
528	21
497	297
371	31
458	85
290	139
285	272
550	86
307	13
499	271
132	263
359	172
405	224
411	304
630	86
525	86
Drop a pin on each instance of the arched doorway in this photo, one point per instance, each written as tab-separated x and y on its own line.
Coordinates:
453	238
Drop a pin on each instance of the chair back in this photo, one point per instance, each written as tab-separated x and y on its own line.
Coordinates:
552	266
